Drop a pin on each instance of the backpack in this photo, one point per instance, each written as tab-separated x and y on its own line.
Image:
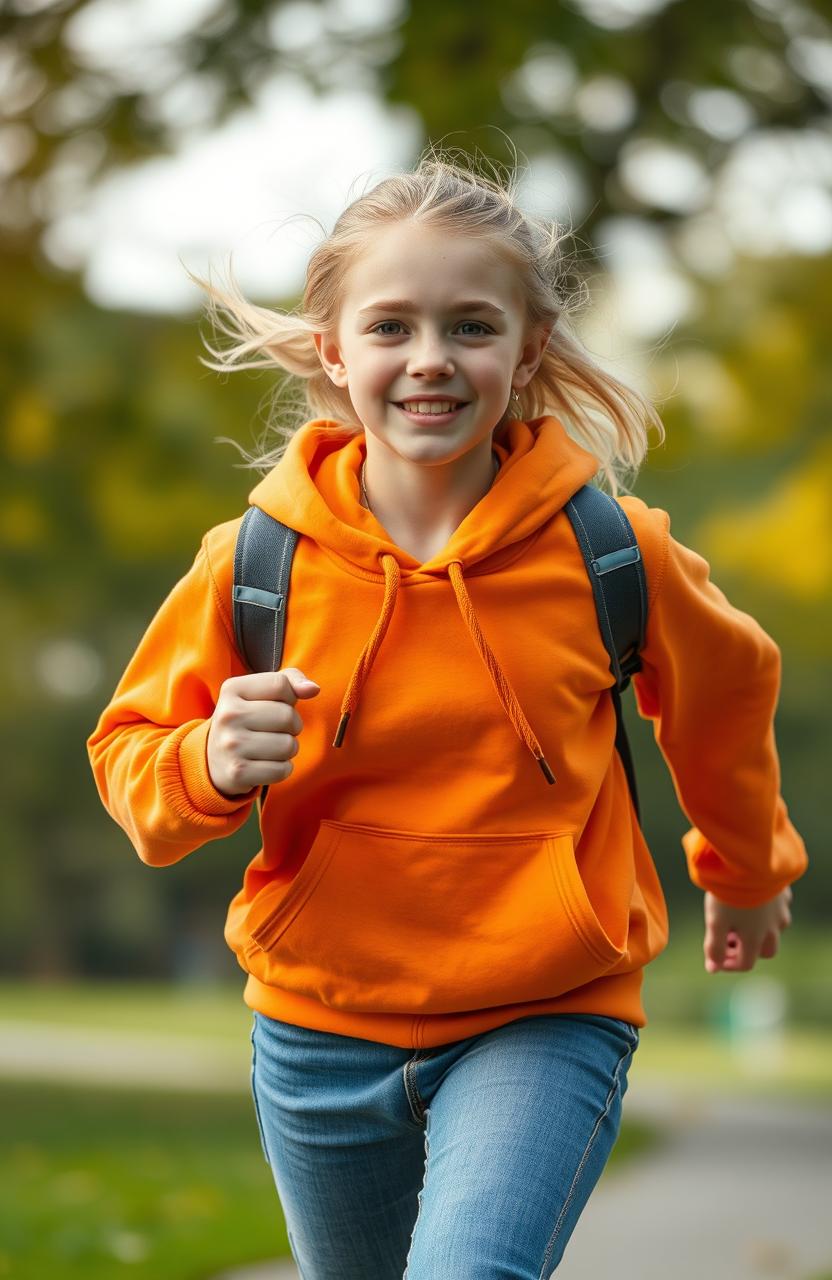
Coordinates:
263	564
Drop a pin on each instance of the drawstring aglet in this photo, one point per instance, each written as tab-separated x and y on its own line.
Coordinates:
342	729
547	772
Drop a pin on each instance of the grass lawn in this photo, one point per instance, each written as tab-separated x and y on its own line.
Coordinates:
677	987
100	1184
704	1059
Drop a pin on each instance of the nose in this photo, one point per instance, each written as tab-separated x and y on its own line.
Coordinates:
429	358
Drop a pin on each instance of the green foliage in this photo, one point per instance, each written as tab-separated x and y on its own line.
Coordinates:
109	478
467	78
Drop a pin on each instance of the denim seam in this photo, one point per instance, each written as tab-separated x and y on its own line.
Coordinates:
419	1199
581	1164
294	1250
254	1096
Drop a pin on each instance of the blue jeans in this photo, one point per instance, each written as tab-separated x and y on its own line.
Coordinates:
472	1159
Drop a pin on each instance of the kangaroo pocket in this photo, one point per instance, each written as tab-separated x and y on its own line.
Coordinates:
379	920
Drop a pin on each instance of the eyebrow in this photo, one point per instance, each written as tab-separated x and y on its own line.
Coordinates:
399	304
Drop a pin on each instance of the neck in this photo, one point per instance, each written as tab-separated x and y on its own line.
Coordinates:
416	503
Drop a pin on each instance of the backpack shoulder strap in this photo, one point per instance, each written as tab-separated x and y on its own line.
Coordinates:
262	566
619	586
616	570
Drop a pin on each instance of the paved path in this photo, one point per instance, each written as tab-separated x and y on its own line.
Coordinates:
739	1189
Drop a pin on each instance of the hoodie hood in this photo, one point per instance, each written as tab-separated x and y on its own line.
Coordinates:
315	490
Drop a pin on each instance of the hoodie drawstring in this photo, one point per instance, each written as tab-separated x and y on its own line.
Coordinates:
505	693
363	666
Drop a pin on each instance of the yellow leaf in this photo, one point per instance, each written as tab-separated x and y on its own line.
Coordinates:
22	524
29	427
784	541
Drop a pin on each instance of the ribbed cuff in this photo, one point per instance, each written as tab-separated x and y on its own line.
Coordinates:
196	780
711	873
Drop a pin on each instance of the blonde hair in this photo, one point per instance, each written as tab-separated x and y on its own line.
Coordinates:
453	193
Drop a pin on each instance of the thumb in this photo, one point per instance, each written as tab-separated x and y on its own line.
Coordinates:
301	684
714	948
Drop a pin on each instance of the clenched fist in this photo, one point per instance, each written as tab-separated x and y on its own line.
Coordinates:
254	729
736	937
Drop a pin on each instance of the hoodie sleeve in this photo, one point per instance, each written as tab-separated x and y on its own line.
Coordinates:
710	682
148	750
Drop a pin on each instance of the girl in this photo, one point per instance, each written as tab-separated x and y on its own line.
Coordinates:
446	926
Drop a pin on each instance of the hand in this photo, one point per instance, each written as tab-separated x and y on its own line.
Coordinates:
736	937
254	728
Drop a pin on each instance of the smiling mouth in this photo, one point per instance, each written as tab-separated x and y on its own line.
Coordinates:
430	406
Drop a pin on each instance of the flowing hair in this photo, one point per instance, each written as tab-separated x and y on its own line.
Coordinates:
455	194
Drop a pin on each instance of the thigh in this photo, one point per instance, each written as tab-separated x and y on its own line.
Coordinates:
519	1130
346	1154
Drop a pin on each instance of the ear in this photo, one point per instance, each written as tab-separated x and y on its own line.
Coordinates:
531	354
329	354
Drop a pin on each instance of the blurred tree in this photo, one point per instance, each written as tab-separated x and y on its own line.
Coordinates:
590	81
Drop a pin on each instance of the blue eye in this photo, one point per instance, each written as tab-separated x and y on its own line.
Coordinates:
392	328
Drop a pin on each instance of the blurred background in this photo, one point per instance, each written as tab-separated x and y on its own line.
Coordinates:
688	145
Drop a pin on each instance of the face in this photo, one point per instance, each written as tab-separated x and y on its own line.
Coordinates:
430	316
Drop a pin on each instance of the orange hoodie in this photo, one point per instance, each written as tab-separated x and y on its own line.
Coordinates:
425	881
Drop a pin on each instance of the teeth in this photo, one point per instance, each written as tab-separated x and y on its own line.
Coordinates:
429	406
